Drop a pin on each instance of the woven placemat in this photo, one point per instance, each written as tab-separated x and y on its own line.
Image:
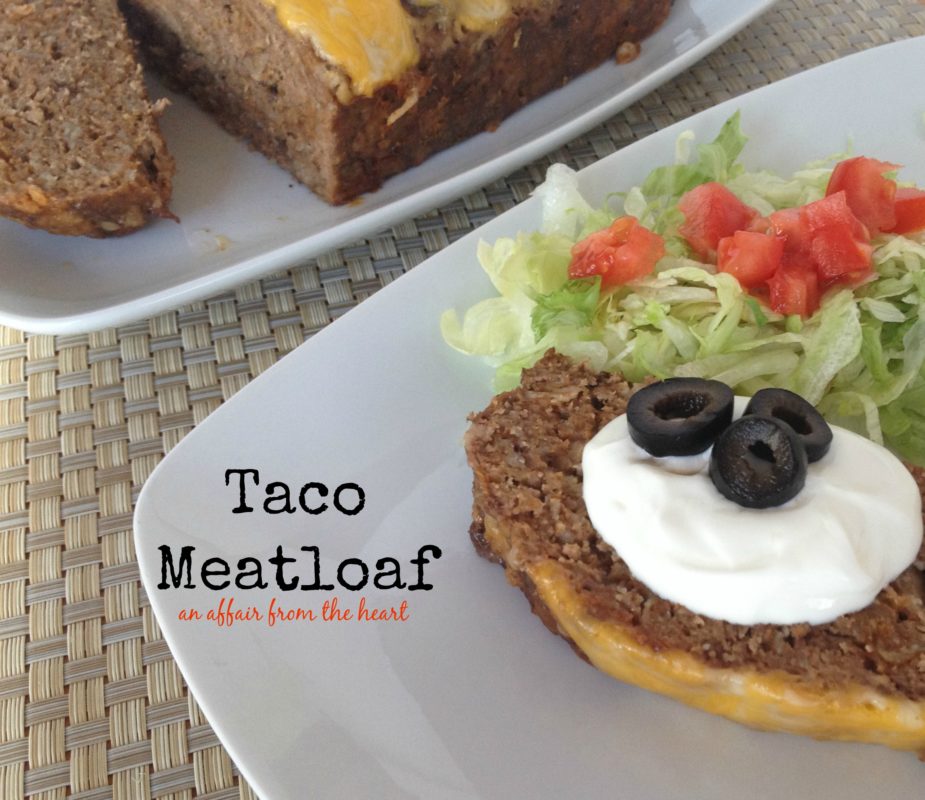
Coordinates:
92	705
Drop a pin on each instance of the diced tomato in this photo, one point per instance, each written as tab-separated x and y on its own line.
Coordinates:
641	253
749	256
794	290
623	252
791	226
910	211
712	212
839	256
870	195
839	244
832	209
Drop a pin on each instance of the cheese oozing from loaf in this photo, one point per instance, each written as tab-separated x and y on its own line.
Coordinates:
373	41
770	700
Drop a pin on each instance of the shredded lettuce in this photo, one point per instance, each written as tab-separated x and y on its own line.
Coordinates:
860	358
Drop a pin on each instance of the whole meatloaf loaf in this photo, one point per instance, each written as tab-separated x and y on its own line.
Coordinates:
345	93
859	677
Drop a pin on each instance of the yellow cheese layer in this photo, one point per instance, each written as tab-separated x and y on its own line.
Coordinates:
473	15
770	701
373	40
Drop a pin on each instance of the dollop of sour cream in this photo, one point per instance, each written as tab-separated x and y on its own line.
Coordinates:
855	526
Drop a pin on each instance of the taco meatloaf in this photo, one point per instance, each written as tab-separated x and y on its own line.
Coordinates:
859	677
345	94
80	148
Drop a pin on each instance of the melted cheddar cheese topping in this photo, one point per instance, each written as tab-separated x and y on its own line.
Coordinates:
373	40
770	701
472	15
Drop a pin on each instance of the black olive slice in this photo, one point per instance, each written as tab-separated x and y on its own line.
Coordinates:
679	416
758	462
799	414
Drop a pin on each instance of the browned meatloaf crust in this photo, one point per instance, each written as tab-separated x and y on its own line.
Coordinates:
80	149
270	86
525	450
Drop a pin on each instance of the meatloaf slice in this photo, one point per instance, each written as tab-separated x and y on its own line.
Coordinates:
343	136
861	676
80	149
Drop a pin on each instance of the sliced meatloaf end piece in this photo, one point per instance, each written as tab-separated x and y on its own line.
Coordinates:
80	148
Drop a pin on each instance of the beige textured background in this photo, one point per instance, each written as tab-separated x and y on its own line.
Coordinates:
92	705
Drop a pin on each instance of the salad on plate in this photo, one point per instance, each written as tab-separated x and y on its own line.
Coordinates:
813	282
